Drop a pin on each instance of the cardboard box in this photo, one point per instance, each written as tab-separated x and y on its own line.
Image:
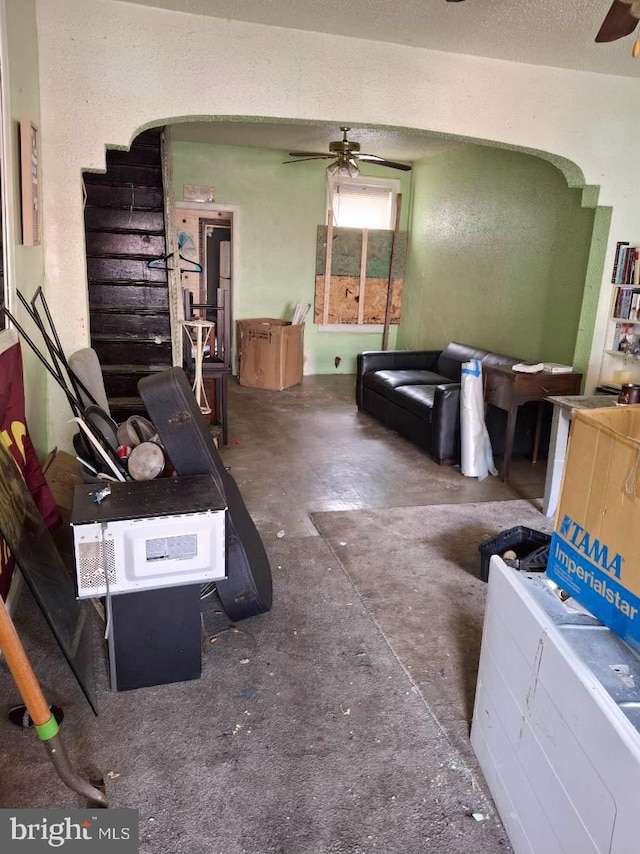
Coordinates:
595	549
62	473
270	353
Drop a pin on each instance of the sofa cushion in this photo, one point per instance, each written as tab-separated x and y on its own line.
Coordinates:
384	382
417	399
452	357
499	359
455	354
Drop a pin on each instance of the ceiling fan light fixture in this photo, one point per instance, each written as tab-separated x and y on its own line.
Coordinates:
344	168
345	155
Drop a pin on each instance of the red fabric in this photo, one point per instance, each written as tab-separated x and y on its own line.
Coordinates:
15	436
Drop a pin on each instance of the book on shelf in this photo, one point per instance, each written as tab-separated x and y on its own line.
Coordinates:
631	265
628	257
625	338
622	261
627	266
616	262
626	303
556	368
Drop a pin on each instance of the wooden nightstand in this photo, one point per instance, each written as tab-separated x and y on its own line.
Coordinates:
508	389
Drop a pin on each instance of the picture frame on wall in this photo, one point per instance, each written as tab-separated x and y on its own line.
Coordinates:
30	182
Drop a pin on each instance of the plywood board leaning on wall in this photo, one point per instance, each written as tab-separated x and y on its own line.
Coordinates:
357	285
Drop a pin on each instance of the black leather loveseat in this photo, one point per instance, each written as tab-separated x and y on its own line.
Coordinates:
417	393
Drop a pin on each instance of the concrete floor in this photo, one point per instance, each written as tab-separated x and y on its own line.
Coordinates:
293	453
308	449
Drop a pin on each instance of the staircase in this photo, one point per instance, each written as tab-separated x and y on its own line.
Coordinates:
128	300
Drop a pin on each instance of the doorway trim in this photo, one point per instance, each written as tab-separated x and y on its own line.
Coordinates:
205	227
205	211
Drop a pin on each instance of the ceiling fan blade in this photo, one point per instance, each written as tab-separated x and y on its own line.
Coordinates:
618	23
313	157
310	154
380	161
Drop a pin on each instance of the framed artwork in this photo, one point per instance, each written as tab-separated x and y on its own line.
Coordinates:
30	181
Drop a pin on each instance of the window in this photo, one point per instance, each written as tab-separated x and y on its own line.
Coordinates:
362	202
355	250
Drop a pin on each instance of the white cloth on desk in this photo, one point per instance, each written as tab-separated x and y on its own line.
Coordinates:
523	368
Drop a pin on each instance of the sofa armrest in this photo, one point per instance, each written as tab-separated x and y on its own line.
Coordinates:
445	424
392	360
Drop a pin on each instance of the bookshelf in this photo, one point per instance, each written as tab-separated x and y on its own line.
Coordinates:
621	358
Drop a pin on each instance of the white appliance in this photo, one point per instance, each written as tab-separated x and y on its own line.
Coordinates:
148	534
225	259
556	723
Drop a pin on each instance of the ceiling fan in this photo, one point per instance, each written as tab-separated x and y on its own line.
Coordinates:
345	155
621	20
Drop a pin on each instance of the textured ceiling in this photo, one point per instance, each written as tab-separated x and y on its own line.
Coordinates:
392	143
541	32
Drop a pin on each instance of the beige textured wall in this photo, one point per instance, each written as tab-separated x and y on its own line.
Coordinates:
28	269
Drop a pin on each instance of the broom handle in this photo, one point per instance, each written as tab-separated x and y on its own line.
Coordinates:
21	670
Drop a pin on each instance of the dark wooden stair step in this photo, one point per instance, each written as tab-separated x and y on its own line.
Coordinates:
119	309
115	337
126	197
143	370
124	220
137	155
124	270
122	408
120	174
106	244
140	296
134	283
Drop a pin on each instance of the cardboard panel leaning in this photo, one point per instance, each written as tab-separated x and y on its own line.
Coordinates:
595	549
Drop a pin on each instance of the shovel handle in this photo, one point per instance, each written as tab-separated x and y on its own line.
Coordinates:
44	722
21	670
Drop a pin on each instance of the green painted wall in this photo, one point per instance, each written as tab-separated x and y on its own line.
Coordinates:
498	255
281	208
593	281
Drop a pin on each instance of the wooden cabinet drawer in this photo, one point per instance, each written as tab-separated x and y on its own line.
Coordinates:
498	390
504	388
560	383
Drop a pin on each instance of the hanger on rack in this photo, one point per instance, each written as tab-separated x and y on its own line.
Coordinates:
160	263
195	267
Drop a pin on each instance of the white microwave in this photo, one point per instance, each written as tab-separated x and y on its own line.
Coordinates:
135	540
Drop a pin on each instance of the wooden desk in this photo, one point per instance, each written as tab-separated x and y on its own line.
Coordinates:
508	390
